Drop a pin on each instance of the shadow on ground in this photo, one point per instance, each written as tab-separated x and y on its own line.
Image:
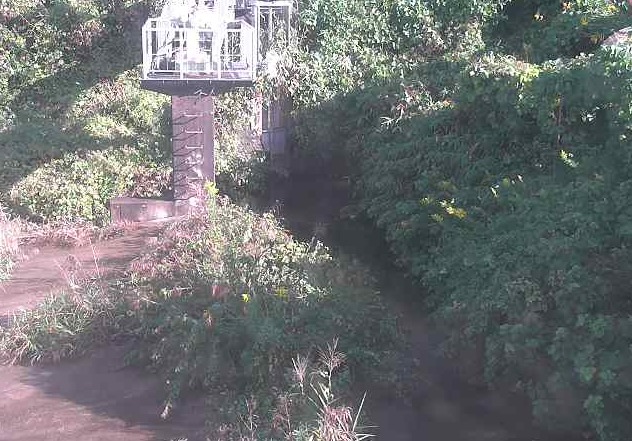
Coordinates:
93	398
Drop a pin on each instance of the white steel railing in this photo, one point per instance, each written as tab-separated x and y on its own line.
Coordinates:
176	52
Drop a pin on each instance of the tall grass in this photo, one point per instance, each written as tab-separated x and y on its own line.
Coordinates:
309	409
66	324
10	230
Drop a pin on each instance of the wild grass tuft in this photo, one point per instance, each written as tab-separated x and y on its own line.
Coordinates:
69	234
10	231
64	325
308	409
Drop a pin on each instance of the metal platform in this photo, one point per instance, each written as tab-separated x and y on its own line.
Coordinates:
212	46
182	52
177	87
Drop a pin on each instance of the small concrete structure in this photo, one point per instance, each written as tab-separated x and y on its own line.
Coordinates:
140	210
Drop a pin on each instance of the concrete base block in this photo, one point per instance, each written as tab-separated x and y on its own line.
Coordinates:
182	208
140	210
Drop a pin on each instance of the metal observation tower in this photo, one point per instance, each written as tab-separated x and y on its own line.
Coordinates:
193	51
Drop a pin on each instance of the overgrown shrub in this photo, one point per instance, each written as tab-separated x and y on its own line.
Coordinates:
507	201
547	29
79	186
41	39
240	298
309	409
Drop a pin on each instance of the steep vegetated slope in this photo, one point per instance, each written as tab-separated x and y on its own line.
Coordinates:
491	142
76	127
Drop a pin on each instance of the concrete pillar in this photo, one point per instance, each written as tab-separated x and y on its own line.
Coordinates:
193	149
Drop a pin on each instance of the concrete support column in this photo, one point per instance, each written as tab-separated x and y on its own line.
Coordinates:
193	149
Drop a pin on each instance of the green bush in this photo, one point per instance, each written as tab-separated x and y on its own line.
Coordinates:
111	140
539	266
41	40
543	30
240	298
508	201
79	186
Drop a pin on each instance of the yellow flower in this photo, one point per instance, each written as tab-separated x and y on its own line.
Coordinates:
453	210
583	21
282	293
245	297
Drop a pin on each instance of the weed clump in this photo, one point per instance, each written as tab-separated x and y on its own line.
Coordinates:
64	325
308	410
234	296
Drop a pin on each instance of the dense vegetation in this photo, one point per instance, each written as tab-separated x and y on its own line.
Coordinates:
227	301
490	140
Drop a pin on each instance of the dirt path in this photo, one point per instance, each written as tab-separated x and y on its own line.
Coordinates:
91	399
95	397
49	268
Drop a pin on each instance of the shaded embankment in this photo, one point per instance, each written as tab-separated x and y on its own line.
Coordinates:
433	403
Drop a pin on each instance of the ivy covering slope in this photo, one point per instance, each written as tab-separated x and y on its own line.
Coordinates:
491	142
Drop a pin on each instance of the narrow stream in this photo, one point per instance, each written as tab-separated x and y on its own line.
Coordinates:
436	403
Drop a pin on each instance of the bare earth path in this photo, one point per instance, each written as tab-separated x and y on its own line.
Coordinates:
49	268
95	397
